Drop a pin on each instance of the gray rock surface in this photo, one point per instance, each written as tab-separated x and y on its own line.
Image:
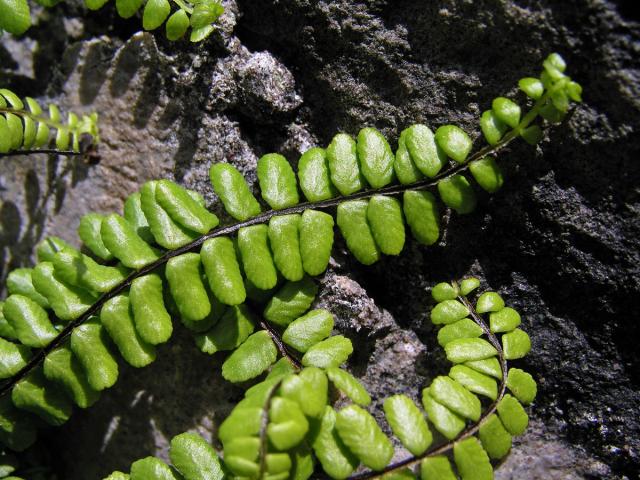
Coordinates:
560	241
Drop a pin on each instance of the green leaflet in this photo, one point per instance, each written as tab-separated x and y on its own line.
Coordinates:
533	87
448	311
453	395
306	331
251	358
135	216
29	321
194	458
384	215
314	177
151	318
375	158
287	424
436	468
68	302
474	381
48	247
444	291
504	320
6	330
151	468
495	439
465	328
360	432
231	187
181	206
277	181
489	302
253	243
128	8
349	385
155	13
15	18
90	345
488	366
468	285
19	281
331	352
290	302
89	232
492	127
471	460
285	245
404	474
421	211
118	476
353	224
468	350
241	456
78	270
423	149
444	420
408	423
243	421
516	344
122	240
309	389
166	231
405	169
513	416
62	368
231	330
177	25
457	193
13	357
454	142
117	318
487	173
316	241
184	274
223	272
336	459
34	394
343	164
507	111
522	385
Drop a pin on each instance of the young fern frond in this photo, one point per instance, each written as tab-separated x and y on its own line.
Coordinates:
199	15
29	130
71	308
286	420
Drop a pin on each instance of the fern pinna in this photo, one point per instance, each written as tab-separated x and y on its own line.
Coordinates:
63	317
28	130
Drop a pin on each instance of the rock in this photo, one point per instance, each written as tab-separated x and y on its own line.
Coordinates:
559	242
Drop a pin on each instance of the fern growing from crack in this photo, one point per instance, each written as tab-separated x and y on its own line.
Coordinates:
62	318
25	130
199	15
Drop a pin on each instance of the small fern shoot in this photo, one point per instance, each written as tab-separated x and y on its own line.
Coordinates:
199	15
28	129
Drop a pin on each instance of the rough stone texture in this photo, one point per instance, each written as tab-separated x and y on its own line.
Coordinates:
560	241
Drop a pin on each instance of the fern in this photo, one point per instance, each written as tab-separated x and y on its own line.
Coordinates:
28	130
286	420
199	15
72	307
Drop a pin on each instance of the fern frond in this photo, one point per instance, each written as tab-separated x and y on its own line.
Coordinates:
28	130
168	238
199	15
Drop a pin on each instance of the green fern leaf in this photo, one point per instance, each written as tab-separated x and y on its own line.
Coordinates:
363	436
332	352
308	330
407	423
349	385
152	468
194	458
336	459
436	468
471	460
252	358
